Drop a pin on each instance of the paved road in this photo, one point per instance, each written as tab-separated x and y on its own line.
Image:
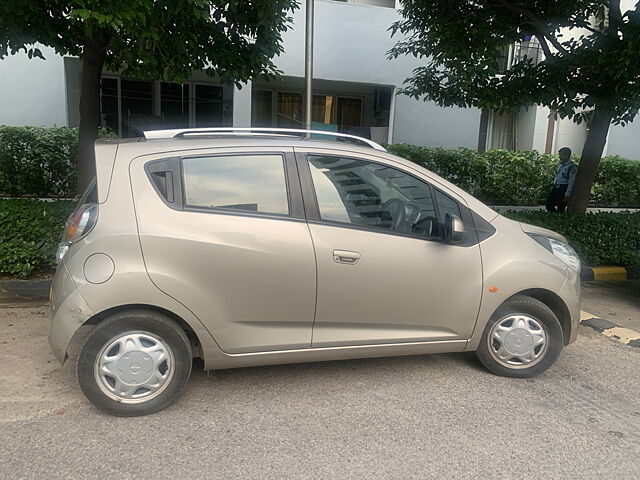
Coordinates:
618	302
437	416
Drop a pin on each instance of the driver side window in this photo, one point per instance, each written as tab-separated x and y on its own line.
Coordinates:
372	195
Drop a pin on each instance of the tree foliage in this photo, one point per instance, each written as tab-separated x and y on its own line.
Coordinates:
235	40
158	39
591	55
590	71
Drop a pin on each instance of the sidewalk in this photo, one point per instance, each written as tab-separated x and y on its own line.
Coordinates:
618	302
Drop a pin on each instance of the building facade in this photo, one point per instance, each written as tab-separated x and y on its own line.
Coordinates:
355	89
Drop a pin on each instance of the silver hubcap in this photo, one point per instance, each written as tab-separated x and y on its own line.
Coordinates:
134	367
518	341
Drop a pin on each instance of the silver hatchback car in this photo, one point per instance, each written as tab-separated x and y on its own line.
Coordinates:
249	247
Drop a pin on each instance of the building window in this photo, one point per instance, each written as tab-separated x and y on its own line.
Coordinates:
129	107
327	109
109	104
349	112
503	131
174	105
355	109
136	99
528	49
323	109
261	108
209	106
290	110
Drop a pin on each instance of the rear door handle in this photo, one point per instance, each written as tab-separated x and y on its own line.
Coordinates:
346	257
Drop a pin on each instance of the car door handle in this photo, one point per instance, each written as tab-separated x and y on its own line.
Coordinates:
344	256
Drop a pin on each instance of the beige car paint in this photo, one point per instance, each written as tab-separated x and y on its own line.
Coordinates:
510	259
395	292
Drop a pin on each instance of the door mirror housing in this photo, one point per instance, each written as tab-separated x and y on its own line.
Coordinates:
453	229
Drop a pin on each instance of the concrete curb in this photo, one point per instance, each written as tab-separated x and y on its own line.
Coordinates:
609	273
609	329
24	291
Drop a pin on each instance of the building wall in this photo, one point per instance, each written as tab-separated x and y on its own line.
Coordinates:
625	141
351	45
526	128
569	134
32	92
541	128
424	123
351	42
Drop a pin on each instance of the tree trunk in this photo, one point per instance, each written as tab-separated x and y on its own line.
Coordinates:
591	155
92	62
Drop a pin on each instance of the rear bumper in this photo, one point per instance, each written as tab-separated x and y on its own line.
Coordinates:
67	312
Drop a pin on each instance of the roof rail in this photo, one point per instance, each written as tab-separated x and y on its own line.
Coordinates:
181	132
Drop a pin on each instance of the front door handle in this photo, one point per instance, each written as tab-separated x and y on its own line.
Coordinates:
344	256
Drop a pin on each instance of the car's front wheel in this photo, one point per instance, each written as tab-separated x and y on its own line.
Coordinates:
134	363
522	339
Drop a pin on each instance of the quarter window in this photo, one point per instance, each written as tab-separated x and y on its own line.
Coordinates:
253	183
369	194
447	205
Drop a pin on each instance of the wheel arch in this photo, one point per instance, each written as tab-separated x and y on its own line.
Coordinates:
555	303
196	344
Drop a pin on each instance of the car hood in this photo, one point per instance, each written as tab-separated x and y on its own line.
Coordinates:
528	228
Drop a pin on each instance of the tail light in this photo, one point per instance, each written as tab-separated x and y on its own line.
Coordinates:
78	225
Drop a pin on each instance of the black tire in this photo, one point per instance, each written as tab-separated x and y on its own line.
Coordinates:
118	324
537	310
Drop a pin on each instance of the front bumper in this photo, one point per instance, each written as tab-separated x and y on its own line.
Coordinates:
571	295
67	312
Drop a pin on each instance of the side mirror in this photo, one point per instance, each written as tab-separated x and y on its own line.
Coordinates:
453	229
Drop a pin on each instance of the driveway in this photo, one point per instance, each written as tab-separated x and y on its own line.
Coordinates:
435	416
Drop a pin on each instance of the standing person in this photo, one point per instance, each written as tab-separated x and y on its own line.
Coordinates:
563	182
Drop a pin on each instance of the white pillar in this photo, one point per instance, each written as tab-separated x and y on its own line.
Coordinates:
242	106
392	114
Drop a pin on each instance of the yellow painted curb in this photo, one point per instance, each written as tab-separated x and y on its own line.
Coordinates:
625	335
616	332
609	273
586	315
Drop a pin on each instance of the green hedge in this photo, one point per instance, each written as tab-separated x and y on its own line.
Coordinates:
41	162
599	238
30	231
38	161
617	183
499	177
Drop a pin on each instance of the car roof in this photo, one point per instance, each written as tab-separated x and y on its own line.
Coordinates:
142	146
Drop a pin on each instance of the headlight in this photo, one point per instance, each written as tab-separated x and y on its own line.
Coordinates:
565	253
560	249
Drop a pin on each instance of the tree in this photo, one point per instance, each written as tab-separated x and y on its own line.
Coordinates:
590	71
155	39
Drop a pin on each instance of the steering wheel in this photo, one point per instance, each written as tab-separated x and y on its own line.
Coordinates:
397	208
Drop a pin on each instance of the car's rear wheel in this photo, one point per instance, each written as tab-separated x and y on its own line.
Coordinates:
522	339
134	363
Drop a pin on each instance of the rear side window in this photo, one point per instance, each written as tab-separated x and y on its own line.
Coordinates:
252	183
